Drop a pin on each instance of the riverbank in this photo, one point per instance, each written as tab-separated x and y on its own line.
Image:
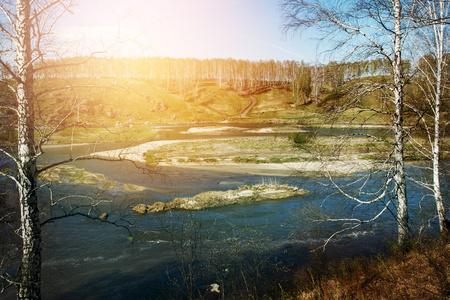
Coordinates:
275	156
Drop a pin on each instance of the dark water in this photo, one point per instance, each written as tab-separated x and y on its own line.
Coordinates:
88	259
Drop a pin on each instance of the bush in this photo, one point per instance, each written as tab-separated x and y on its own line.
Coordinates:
276	160
210	160
300	138
153	157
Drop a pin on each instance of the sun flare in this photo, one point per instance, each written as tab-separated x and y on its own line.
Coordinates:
174	28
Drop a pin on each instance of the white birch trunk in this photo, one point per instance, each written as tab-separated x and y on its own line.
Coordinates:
30	269
399	177
439	35
436	180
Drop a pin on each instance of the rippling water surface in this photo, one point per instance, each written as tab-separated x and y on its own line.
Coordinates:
88	259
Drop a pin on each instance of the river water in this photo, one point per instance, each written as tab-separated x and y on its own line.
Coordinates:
236	246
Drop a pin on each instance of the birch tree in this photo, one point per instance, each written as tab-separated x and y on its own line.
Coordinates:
367	29
432	44
24	28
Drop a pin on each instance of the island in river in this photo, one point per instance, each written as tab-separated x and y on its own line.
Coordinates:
243	195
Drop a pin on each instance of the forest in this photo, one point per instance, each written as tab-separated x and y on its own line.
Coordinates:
181	75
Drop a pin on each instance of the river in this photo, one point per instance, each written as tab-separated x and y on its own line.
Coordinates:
232	246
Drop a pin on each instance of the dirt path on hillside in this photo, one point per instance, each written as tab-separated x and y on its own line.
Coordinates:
247	110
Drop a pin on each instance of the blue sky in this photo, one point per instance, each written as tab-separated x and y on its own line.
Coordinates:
240	29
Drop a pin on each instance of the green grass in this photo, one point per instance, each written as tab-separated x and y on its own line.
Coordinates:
111	101
249	160
101	134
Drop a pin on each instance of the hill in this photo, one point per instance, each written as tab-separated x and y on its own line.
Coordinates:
129	106
124	102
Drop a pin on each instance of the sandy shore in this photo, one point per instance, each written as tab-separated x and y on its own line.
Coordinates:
305	169
346	166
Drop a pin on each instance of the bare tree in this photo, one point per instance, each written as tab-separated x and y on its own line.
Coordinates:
302	85
367	29
26	27
432	44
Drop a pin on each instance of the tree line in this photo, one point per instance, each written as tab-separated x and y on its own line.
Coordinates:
180	75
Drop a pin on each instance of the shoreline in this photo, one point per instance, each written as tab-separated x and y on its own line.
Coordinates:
306	168
297	169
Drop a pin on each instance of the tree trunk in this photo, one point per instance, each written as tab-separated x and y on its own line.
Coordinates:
399	165
30	269
439	31
436	180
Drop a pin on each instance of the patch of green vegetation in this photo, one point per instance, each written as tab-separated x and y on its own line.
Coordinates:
249	160
290	159
153	157
192	160
250	187
275	160
415	156
78	175
300	138
334	96
79	135
8	138
210	160
369	157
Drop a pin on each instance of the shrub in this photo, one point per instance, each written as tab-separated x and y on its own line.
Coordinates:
276	160
210	160
152	157
300	138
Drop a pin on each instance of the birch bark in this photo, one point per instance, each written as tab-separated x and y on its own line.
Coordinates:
439	33
30	268
399	164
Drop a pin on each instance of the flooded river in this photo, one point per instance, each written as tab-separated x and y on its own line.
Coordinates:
89	259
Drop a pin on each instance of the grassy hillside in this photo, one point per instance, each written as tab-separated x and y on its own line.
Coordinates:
109	101
123	102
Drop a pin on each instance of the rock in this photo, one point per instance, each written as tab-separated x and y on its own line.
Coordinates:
157	207
249	194
215	288
140	209
176	203
103	216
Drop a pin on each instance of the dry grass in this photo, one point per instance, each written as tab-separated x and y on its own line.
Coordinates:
420	273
